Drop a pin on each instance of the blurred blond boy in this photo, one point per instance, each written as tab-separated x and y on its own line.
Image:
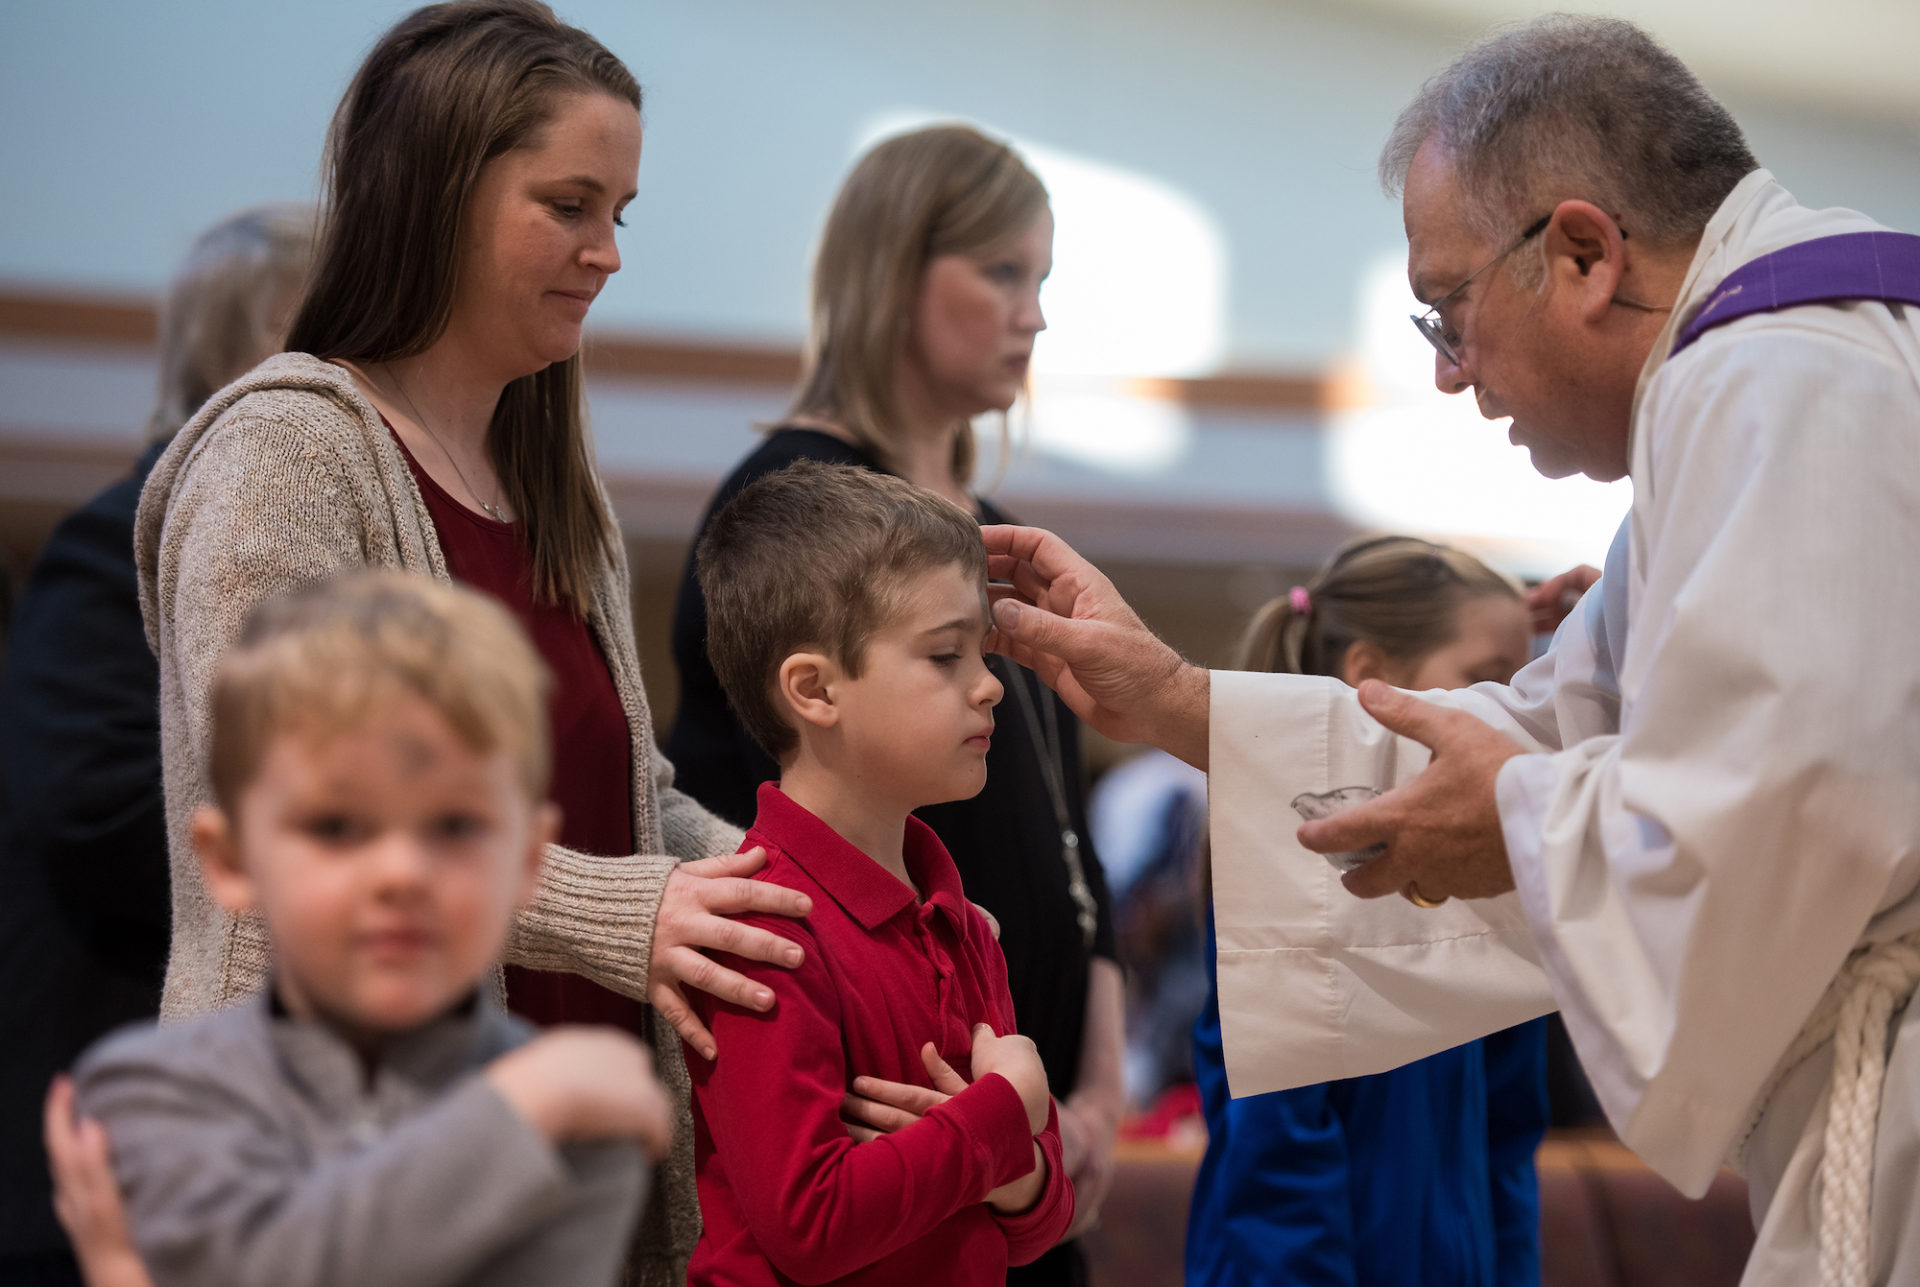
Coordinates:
379	767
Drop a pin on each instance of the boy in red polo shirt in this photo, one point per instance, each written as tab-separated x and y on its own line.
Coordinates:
845	616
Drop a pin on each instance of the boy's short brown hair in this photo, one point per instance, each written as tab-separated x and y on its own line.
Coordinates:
320	659
816	557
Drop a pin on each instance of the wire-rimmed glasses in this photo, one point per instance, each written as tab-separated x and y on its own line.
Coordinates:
1430	323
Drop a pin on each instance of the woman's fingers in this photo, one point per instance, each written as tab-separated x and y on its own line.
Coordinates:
672	1006
710	933
684	967
86	1193
698	970
77	1154
57	1122
732	896
744	863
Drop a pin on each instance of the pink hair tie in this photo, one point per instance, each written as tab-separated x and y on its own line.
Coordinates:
1297	598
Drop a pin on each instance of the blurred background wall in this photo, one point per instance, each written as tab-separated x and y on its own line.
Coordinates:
1229	387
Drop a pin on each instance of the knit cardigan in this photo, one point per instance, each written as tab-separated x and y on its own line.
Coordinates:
287	476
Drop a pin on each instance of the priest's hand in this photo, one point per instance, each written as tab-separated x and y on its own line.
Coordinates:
1442	829
1065	622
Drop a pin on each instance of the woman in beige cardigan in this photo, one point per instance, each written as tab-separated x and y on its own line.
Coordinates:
429	417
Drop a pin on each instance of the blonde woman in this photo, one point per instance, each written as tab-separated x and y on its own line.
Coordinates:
926	303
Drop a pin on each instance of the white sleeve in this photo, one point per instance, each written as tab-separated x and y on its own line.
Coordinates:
1316	984
1693	883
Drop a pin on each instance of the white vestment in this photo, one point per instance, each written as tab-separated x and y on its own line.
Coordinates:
1723	795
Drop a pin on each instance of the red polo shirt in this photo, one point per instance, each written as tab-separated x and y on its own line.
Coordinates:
785	1194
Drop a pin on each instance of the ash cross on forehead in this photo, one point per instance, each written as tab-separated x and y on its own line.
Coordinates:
416	754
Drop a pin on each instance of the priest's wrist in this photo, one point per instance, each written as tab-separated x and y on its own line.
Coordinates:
1182	723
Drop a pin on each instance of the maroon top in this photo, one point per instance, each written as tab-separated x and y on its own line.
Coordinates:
785	1193
592	751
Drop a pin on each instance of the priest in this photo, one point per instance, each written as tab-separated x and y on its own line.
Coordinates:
1693	826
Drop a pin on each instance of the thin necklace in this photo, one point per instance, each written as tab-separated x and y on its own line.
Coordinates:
494	512
1047	751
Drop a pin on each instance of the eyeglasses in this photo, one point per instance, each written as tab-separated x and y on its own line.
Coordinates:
1430	324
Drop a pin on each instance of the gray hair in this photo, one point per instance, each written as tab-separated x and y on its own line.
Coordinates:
228	306
1567	107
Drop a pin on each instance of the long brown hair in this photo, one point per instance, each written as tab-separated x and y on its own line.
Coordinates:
946	190
1398	593
447	89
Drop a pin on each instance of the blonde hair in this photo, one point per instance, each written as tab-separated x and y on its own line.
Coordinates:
229	305
322	659
1398	593
947	190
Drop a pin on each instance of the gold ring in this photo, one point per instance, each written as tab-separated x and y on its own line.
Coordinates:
1418	899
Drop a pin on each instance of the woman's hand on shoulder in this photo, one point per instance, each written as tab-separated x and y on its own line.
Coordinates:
86	1196
693	921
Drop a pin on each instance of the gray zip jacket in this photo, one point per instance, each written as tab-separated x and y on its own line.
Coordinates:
252	1147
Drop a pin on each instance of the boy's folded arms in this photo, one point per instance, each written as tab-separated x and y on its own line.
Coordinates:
578	1083
425	1174
966	1185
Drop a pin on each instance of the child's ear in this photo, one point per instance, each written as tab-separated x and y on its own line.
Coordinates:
1365	661
217	842
544	831
804	686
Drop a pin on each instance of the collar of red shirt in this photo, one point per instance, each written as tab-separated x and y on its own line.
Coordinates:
867	891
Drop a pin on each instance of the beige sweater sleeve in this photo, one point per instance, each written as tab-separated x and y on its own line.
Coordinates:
594	915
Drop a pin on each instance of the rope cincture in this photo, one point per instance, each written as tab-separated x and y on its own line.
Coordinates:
1854	1013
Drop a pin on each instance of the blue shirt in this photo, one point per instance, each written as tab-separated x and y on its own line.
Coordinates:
1419	1176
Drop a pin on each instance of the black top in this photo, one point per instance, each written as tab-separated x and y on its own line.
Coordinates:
1005	841
84	909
